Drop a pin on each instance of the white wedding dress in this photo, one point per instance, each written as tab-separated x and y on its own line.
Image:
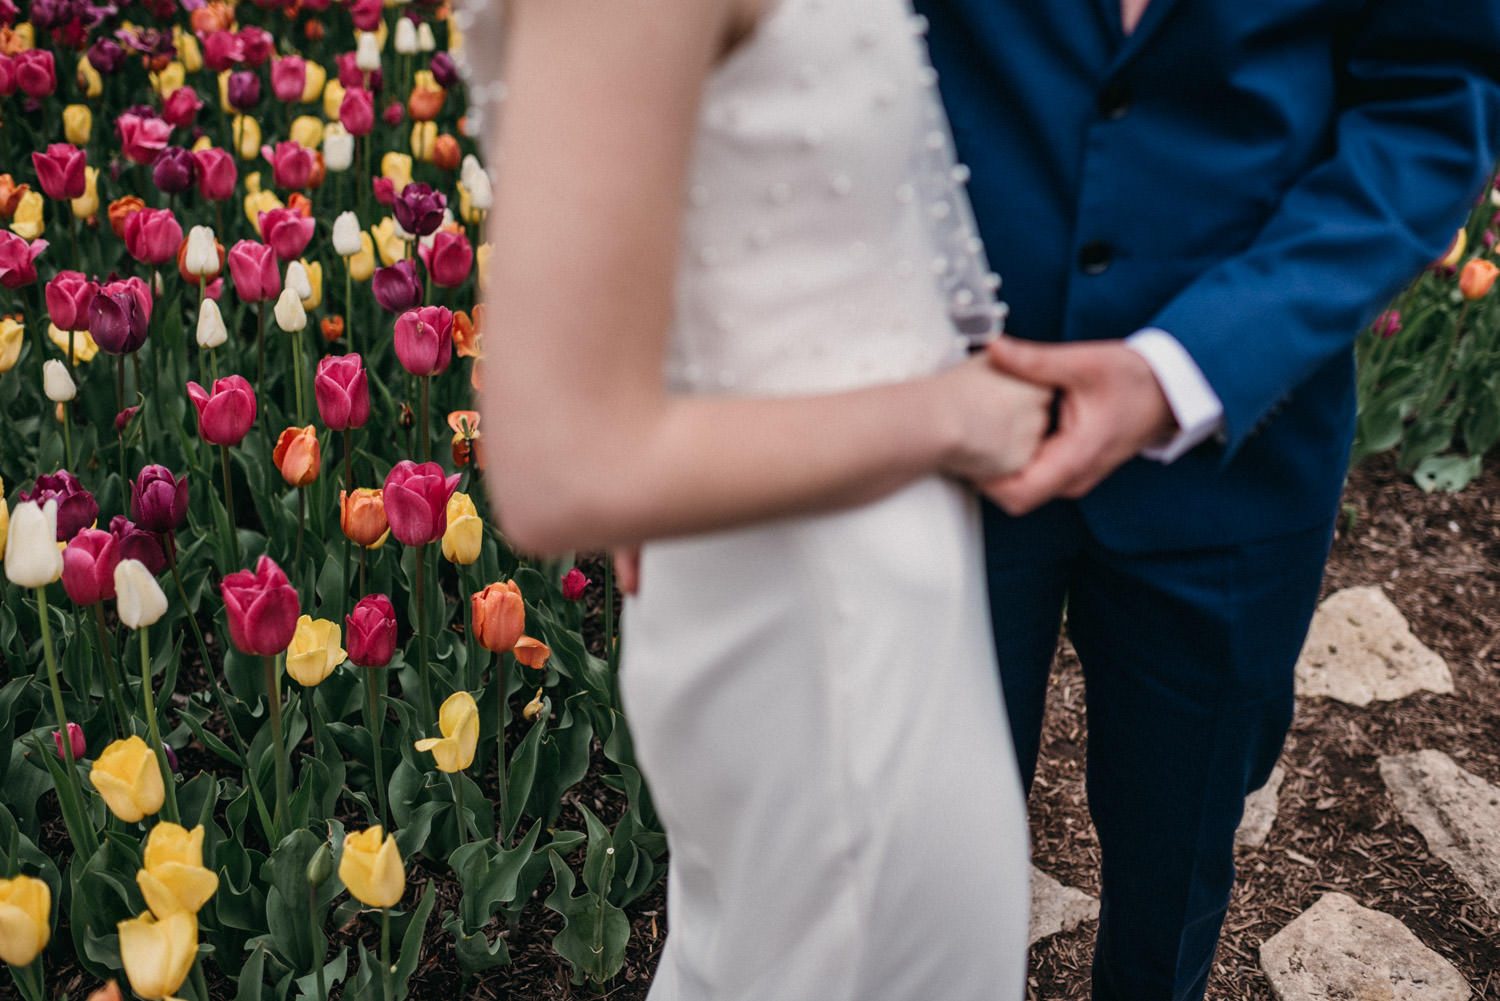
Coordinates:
814	701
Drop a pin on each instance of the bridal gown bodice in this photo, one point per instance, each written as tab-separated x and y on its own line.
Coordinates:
814	701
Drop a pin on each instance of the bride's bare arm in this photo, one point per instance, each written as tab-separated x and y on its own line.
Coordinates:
587	448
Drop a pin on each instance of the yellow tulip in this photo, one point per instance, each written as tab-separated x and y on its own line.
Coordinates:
362	264
203	142
84	348
169	79
129	779
89	78
87	204
158	954
247	136
12	334
25	919
370	866
23	36
396	167
78	123
333	96
392	248
28	223
482	267
187	49
466	210
317	76
257	202
458	719
382	32
174	877
252	183
314	271
307	131
423	137
4	519
465	532
224	104
315	651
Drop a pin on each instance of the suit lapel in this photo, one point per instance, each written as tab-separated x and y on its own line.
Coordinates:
1156	10
1109	14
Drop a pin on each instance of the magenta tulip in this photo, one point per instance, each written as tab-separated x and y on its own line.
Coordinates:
450	258
18	259
262	607
370	631
416	501
180	108
291	164
396	287
120	315
89	566
69	296
60	170
424	339
343	392
216	174
141	138
288	78
286	231
357	111
253	267
75	741
221	50
36	74
573	584
243	90
366	14
152	236
158	500
226	414
258	44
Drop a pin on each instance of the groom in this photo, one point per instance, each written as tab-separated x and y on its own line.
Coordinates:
1195	204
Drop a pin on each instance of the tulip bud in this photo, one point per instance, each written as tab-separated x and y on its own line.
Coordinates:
32	558
25	917
211	331
573	584
139	600
1455	250
78	124
534	707
76	742
1477	279
57	383
371	631
127	776
367	52
338	147
89	563
425	40
202	257
290	315
346	234
297	281
320	866
406	37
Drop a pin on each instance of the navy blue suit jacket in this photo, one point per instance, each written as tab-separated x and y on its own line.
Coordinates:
1256	177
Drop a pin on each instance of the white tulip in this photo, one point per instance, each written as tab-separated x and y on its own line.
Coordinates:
468	168
406	37
32	558
367	53
297	280
201	257
400	230
425	40
57	382
139	600
346	242
338	147
211	332
290	315
481	196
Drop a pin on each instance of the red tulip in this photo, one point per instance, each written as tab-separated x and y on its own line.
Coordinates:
370	631
357	111
181	107
36	74
291	164
286	231
424	339
18	259
152	236
262	607
216	174
288	78
226	414
75	738
385	190
141	139
69	296
253	267
416	501
450	258
89	566
343	392
60	170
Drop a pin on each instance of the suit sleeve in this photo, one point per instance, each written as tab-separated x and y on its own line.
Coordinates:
1417	134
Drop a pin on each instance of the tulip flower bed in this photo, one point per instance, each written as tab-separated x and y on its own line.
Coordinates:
281	712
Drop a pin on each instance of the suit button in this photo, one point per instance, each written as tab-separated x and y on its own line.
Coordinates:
1114	100
1095	257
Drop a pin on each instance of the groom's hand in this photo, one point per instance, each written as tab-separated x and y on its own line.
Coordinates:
1110	408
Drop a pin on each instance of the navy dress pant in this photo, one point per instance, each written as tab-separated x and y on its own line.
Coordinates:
1188	660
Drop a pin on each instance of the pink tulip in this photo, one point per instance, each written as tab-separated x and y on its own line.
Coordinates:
357	111
288	78
291	164
7	75
216	173
343	392
223	49
141	139
416	501
18	259
258	44
226	414
424	339
370	631
180	108
573	584
253	267
89	566
75	741
385	190
36	74
69	296
60	170
262	607
152	236
450	258
286	231
366	14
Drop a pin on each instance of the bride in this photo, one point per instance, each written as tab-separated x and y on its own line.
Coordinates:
729	251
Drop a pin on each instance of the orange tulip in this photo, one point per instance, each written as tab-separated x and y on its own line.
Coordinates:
446	154
212	17
301	203
362	516
425	102
298	455
499	616
465	425
532	652
466	333
121	209
10	195
332	327
1477	278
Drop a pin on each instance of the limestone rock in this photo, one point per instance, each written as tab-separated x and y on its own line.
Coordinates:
1360	650
1260	812
1456	811
1339	951
1056	908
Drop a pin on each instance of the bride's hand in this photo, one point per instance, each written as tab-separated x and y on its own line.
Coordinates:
1000	420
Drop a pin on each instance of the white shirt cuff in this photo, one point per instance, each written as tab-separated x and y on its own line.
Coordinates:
1195	405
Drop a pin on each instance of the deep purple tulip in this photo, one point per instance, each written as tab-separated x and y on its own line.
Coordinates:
76	507
419	209
158	500
244	90
173	172
444	70
120	316
396	288
138	544
106	55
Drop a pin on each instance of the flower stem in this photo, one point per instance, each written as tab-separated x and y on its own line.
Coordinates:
234	534
312	908
301	526
278	742
502	832
385	953
67	423
457	781
373	724
71	792
426	434
426	671
153	726
115	696
349	323
297	376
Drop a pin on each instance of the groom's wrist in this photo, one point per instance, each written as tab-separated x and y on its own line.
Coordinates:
1195	406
